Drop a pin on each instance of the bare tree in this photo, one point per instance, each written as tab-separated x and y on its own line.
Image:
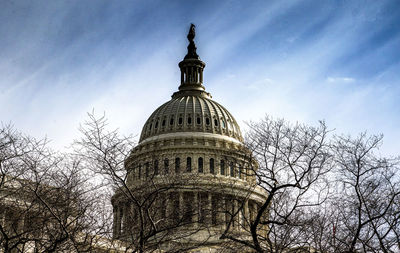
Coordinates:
45	203
291	163
148	224
366	203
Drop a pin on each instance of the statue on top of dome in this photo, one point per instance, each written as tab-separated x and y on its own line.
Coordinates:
191	47
192	33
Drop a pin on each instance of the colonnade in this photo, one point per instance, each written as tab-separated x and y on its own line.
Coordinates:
192	74
187	208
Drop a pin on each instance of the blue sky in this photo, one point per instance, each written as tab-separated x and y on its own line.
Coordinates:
301	60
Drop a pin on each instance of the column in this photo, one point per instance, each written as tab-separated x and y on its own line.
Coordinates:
169	206
3	218
181	205
246	219
222	210
118	223
235	214
209	209
195	208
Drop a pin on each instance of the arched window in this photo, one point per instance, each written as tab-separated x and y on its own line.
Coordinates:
163	123
156	167
177	165
223	123
215	122
151	125
156	125
207	121
232	169
222	165
166	165
212	166
200	164
198	120
189	120
180	121
171	121
189	164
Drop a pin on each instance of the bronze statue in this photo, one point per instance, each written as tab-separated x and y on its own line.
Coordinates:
191	47
192	32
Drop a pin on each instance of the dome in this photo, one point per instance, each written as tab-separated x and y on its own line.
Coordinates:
189	167
191	109
191	113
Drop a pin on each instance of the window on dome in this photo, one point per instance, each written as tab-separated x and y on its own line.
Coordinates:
163	123
189	164
212	165
200	164
151	125
180	121
177	165
198	121
156	125
215	122
240	171
223	124
189	120
171	121
207	121
156	167
140	170
232	169
222	165
166	165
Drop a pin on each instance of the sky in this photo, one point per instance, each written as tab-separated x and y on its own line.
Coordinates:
303	61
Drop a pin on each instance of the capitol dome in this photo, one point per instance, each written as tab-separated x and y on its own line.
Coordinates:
190	177
191	113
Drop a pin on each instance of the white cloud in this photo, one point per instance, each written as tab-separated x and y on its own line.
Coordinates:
331	79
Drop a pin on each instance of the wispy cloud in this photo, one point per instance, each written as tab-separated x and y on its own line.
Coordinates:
331	79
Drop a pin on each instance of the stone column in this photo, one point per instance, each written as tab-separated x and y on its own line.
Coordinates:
246	212
115	211
235	214
181	205
209	208
195	208
126	218
3	218
169	206
118	222
222	210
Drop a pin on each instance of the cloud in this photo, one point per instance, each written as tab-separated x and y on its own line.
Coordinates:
331	79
